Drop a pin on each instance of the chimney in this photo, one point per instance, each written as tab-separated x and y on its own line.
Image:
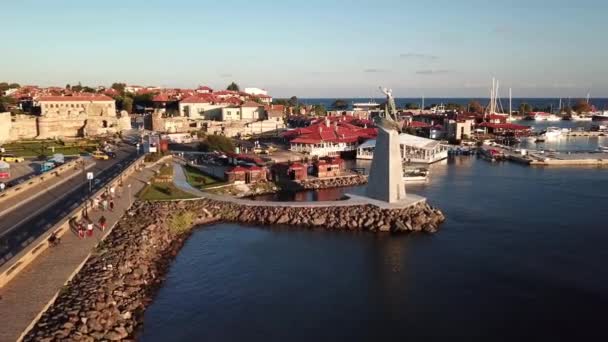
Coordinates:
327	122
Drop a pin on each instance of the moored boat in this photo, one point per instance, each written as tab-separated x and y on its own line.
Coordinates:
601	116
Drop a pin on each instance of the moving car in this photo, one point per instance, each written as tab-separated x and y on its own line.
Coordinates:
11	158
100	155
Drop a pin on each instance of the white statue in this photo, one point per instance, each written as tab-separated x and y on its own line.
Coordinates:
387	92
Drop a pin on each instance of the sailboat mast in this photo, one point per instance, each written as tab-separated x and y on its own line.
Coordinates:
422	108
510	99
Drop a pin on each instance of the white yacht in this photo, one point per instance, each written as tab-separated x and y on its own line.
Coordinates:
553	132
366	106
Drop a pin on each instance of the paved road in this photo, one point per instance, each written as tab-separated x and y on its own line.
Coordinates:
24	224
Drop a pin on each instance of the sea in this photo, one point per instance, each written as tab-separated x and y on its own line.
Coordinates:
521	256
400	102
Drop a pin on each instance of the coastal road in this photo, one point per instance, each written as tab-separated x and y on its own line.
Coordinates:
24	224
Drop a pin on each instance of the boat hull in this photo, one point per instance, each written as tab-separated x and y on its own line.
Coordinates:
599	118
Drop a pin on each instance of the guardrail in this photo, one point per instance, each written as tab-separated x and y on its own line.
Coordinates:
35	245
18	189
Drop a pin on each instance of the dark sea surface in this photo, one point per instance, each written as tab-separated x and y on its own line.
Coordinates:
599	103
522	256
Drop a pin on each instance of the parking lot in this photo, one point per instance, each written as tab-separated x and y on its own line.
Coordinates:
24	170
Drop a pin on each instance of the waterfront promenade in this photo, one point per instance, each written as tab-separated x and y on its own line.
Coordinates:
31	291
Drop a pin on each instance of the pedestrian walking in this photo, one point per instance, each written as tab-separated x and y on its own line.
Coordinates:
102	223
112	191
80	228
89	228
111	205
104	204
96	203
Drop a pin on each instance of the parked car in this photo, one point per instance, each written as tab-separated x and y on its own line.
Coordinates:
100	155
11	158
111	154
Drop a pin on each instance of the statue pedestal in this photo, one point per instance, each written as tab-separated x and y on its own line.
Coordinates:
385	182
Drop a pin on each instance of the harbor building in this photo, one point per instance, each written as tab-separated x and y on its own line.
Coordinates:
414	149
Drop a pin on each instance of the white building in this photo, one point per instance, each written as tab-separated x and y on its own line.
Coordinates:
256	91
414	149
133	89
201	108
248	111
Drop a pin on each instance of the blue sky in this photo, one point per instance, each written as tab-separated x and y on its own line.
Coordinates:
313	48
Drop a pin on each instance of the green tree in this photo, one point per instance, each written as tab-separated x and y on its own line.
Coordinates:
68	87
411	106
6	102
453	106
216	143
119	87
233	87
77	88
581	106
127	104
525	108
319	110
340	104
4	86
143	100
293	101
475	107
87	89
14	85
280	102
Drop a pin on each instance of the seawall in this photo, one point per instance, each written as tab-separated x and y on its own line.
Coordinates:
106	300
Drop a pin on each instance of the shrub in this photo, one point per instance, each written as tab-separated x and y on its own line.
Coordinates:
181	222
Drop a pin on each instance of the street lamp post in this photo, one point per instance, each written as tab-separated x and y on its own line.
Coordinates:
130	198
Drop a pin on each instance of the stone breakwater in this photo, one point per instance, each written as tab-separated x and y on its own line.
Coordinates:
106	299
334	182
419	217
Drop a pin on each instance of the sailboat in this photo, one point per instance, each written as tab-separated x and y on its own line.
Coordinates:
495	106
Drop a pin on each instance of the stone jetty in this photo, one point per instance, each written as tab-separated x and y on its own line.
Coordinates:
106	299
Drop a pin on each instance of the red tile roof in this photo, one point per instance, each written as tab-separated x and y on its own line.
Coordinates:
339	131
231	100
203	98
75	98
251	104
505	126
161	98
418	124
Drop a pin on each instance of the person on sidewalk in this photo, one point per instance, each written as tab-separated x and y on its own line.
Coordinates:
89	228
112	191
102	223
111	205
104	204
80	228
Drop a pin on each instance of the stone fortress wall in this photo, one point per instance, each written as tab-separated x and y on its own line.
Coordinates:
64	118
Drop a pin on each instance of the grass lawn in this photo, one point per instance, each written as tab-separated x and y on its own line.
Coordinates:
162	191
37	148
199	180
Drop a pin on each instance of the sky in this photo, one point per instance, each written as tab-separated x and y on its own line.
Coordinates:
313	48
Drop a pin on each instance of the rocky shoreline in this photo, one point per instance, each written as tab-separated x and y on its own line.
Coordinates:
107	298
334	182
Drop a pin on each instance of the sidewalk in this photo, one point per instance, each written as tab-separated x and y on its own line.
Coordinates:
31	290
15	201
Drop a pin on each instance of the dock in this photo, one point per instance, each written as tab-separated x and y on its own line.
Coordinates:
538	158
590	134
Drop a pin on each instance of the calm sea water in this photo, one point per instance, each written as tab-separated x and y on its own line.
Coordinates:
521	256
